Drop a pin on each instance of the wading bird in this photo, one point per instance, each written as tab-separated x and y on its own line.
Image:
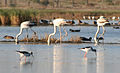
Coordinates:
86	49
58	23
25	25
100	23
25	54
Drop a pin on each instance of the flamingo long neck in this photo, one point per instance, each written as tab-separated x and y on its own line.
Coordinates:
51	35
21	29
98	29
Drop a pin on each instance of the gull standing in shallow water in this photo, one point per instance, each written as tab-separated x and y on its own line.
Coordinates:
58	23
25	25
86	49
100	23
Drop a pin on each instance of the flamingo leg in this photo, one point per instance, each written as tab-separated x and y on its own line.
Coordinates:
60	34
66	34
33	31
103	32
95	38
27	34
35	35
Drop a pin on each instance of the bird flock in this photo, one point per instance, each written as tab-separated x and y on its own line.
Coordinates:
60	22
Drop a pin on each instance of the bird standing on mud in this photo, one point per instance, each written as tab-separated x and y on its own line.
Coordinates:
25	25
86	49
100	23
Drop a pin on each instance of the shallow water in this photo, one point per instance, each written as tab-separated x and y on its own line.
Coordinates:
61	58
111	34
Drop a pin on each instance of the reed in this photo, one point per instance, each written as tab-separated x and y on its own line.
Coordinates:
75	39
14	17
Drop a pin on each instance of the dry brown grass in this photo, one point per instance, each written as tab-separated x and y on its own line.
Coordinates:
75	39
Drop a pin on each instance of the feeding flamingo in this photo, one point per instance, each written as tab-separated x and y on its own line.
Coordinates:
58	23
100	23
25	25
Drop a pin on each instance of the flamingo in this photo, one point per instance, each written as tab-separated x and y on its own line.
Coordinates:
100	23
25	25
58	23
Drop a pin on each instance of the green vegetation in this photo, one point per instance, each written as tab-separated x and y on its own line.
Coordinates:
13	17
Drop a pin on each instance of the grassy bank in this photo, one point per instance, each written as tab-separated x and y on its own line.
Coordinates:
13	17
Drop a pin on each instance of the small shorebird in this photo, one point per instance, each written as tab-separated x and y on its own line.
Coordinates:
25	25
25	54
86	49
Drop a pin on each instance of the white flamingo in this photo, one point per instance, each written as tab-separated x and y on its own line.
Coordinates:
25	25
100	23
58	23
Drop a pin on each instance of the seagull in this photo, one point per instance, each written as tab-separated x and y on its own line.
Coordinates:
25	54
86	49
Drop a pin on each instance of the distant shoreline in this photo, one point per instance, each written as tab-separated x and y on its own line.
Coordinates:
13	17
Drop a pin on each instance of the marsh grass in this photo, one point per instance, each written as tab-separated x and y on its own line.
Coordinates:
13	17
43	39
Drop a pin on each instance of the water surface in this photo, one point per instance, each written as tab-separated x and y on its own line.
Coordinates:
61	58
